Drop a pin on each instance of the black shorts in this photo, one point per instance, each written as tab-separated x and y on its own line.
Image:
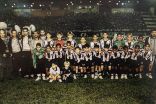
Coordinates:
106	63
135	64
75	63
114	62
97	61
48	63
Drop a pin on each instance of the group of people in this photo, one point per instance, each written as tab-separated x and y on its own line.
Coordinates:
38	55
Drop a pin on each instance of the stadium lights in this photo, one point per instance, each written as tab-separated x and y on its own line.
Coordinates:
24	5
31	5
117	3
109	1
5	4
97	3
122	4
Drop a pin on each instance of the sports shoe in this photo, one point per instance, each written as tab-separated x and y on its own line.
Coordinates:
122	76
50	80
60	80
140	76
126	76
85	76
26	76
74	76
116	76
112	76
150	76
38	78
100	77
92	76
95	77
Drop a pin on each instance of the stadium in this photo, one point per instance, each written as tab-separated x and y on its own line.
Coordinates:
77	51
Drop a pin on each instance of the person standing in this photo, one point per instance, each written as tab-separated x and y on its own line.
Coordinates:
152	41
26	60
5	57
15	49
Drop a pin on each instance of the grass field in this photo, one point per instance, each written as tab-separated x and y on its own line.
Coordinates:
83	91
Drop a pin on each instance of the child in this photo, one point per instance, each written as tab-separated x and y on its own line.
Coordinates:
54	73
114	62
59	39
147	60
88	57
129	42
58	55
67	72
82	42
105	65
125	58
97	62
49	41
77	62
94	42
48	58
136	58
119	42
39	62
70	39
69	53
105	41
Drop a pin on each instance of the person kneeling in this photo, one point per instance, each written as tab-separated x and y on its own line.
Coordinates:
67	72
54	73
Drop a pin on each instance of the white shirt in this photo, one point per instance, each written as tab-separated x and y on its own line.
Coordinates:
26	46
54	72
15	45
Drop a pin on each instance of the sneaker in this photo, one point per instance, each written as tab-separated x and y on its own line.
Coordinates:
122	76
85	76
92	76
38	78
140	76
112	76
44	78
50	80
126	76
100	77
60	80
150	76
116	76
74	76
147	74
95	77
26	76
32	76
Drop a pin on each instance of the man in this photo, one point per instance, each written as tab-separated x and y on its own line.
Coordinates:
26	60
152	41
5	60
15	49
